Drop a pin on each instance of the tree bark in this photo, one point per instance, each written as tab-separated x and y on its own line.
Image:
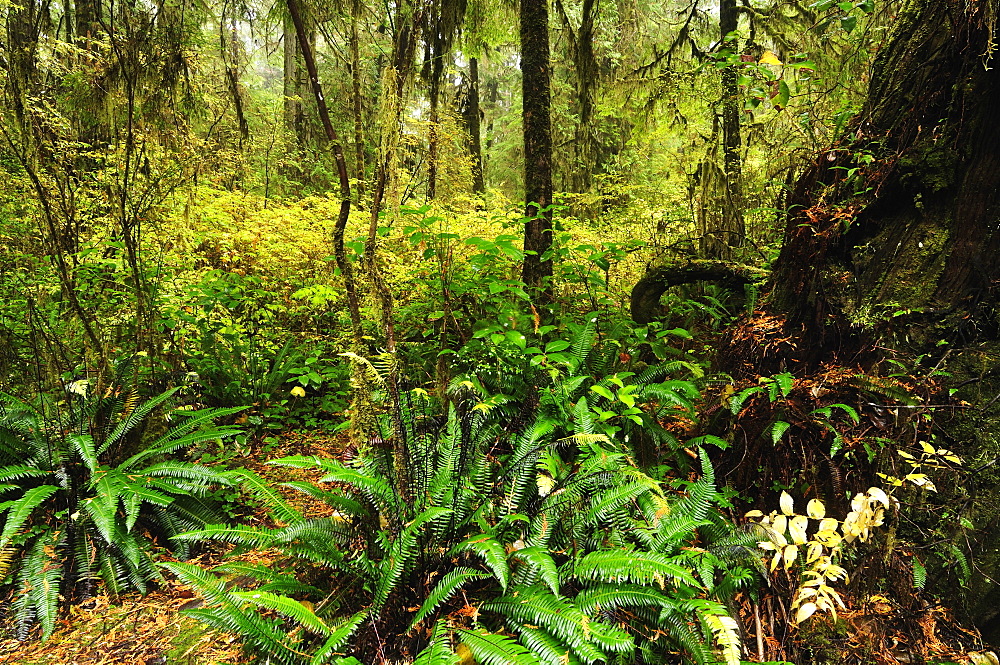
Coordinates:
535	89
720	242
345	267
905	214
472	115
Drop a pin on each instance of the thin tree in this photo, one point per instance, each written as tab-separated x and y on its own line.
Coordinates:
537	124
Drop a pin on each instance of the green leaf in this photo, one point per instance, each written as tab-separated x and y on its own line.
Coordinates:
445	589
778	428
633	566
603	392
540	560
490	551
492	649
556	345
19	510
285	606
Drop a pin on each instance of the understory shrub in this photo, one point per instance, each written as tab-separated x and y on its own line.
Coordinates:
88	491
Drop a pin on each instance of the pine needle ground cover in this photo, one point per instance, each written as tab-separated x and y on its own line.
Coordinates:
141	630
151	630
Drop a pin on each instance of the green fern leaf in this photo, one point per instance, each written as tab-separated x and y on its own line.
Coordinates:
492	649
445	589
264	491
285	606
541	561
490	551
338	638
632	566
438	651
19	510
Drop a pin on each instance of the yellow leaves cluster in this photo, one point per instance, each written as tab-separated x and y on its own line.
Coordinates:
930	457
788	533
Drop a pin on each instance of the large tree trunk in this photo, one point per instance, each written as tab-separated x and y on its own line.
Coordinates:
905	215
535	87
891	251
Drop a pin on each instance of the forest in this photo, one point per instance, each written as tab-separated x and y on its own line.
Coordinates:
482	331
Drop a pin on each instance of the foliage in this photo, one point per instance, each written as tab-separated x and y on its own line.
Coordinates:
523	544
87	491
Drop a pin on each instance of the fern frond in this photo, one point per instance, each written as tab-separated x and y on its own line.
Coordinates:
439	650
541	562
338	638
493	649
18	472
445	589
263	490
19	510
613	596
545	647
285	606
632	566
558	617
490	551
130	420
240	535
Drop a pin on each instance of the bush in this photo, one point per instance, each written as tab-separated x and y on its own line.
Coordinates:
515	544
84	495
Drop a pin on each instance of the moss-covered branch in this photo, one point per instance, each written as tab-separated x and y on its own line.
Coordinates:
658	278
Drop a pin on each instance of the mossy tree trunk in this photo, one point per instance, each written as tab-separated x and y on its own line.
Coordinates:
903	215
536	91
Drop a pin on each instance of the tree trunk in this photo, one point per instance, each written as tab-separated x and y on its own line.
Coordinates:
291	84
891	252
906	215
472	115
357	101
535	87
720	241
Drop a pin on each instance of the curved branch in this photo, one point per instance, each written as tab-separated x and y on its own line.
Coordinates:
658	278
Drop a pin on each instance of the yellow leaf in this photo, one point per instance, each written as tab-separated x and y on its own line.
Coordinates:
780	524
805	611
787	503
815	509
879	495
790	553
928	448
769	58
797	529
776	560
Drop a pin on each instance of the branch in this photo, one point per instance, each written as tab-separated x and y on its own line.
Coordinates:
647	291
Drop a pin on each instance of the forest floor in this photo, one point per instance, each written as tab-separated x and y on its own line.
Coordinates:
150	630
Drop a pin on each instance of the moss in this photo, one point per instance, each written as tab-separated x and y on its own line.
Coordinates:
904	275
929	168
823	642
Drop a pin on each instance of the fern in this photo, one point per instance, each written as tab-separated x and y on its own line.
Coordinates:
438	651
632	566
450	583
492	649
84	504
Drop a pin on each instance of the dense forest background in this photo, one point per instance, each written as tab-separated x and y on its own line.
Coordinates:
455	331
